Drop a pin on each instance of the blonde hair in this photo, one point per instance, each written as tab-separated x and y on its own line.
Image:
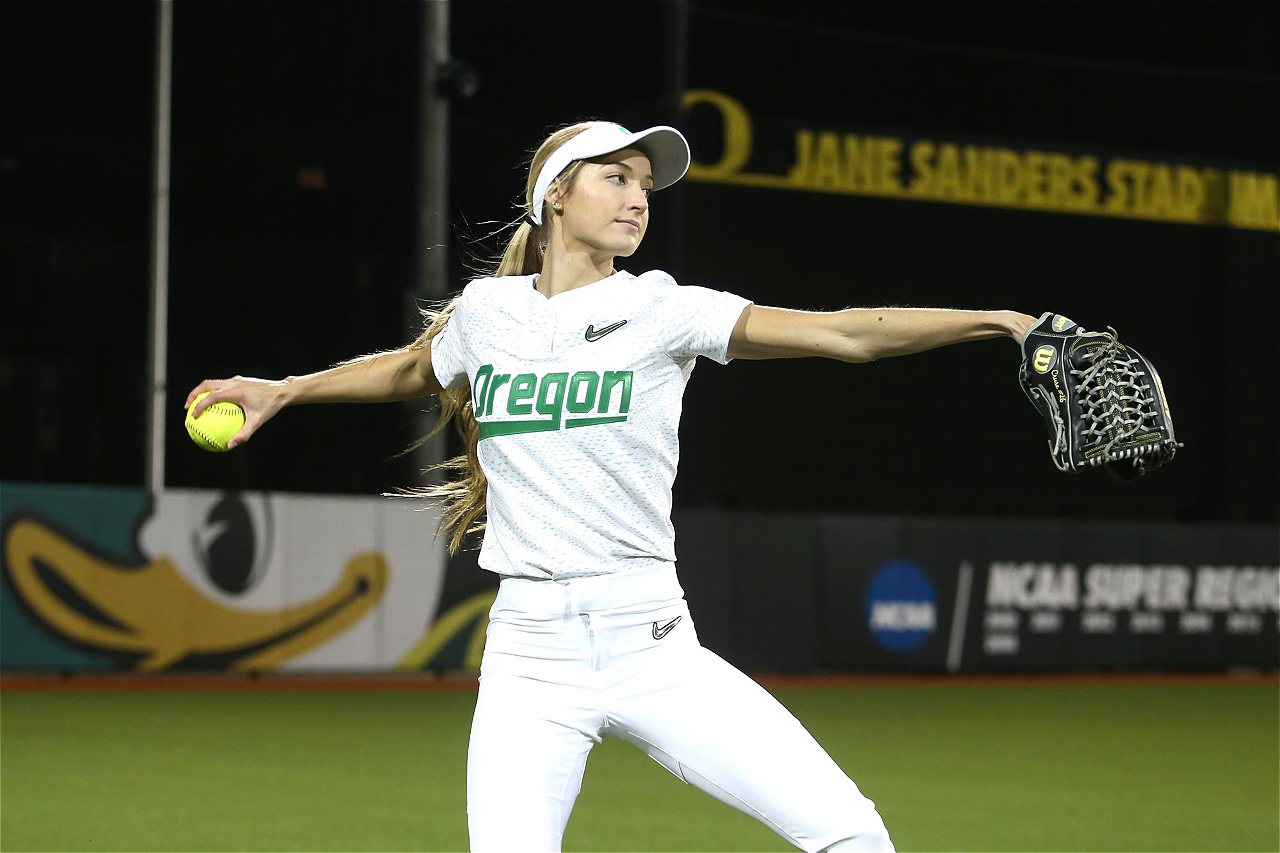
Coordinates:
461	495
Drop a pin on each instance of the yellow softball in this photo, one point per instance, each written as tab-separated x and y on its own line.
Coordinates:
216	424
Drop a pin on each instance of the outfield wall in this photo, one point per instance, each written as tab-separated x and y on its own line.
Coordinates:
106	578
887	593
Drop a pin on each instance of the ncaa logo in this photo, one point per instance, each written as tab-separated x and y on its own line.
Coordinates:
1044	358
902	609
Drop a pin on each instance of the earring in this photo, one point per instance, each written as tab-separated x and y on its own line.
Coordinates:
555	206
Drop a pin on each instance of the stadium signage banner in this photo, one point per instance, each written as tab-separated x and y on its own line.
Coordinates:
1124	614
1069	596
915	168
1107	598
901	594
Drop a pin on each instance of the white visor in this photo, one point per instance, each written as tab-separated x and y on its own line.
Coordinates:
666	148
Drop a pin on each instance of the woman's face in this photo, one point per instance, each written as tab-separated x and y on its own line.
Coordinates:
607	208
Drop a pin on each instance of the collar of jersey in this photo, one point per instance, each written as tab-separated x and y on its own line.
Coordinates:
618	275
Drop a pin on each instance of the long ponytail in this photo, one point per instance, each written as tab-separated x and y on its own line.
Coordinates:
461	495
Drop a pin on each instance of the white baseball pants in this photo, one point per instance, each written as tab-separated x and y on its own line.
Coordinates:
569	662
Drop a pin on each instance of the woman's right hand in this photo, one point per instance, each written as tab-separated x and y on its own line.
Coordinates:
260	399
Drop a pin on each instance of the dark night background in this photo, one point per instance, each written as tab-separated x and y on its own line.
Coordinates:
272	274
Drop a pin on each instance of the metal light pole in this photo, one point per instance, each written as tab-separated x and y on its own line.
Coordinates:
431	228
159	309
676	83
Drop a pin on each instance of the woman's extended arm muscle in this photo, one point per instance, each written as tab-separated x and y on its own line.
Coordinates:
385	377
865	334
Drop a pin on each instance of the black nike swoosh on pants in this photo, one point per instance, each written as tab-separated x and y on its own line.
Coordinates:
660	631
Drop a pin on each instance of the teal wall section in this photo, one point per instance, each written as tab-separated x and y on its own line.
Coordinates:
103	518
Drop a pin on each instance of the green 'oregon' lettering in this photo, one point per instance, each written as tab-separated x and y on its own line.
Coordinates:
551	395
612	379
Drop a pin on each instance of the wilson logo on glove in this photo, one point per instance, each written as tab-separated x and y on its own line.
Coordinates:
1044	359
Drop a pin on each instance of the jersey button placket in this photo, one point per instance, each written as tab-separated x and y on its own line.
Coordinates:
553	324
542	323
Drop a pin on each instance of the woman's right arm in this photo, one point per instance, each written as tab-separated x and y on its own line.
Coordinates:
401	374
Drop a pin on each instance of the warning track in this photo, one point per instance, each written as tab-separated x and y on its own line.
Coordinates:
179	682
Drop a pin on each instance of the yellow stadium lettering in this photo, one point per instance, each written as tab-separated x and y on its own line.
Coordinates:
831	161
1189	195
824	168
1214	207
861	163
946	183
980	174
850	162
1006	175
1035	172
921	157
1061	175
1252	200
1120	180
871	163
1087	183
1159	201
736	123
888	159
1064	182
1161	192
798	174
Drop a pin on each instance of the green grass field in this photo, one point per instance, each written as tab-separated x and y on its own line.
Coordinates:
1001	766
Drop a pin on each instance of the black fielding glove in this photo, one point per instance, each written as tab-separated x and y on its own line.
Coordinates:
1102	402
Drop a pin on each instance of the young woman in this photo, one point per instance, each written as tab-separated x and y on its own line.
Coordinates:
565	376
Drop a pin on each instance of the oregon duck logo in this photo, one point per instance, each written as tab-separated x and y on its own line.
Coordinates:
176	606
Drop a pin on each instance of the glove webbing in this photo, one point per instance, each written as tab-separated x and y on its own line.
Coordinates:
1112	413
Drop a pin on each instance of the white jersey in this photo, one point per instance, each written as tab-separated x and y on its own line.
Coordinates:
578	400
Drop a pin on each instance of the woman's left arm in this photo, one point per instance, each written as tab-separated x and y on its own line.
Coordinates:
865	334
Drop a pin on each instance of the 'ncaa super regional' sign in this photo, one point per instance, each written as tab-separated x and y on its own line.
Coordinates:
1126	614
793	592
886	593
